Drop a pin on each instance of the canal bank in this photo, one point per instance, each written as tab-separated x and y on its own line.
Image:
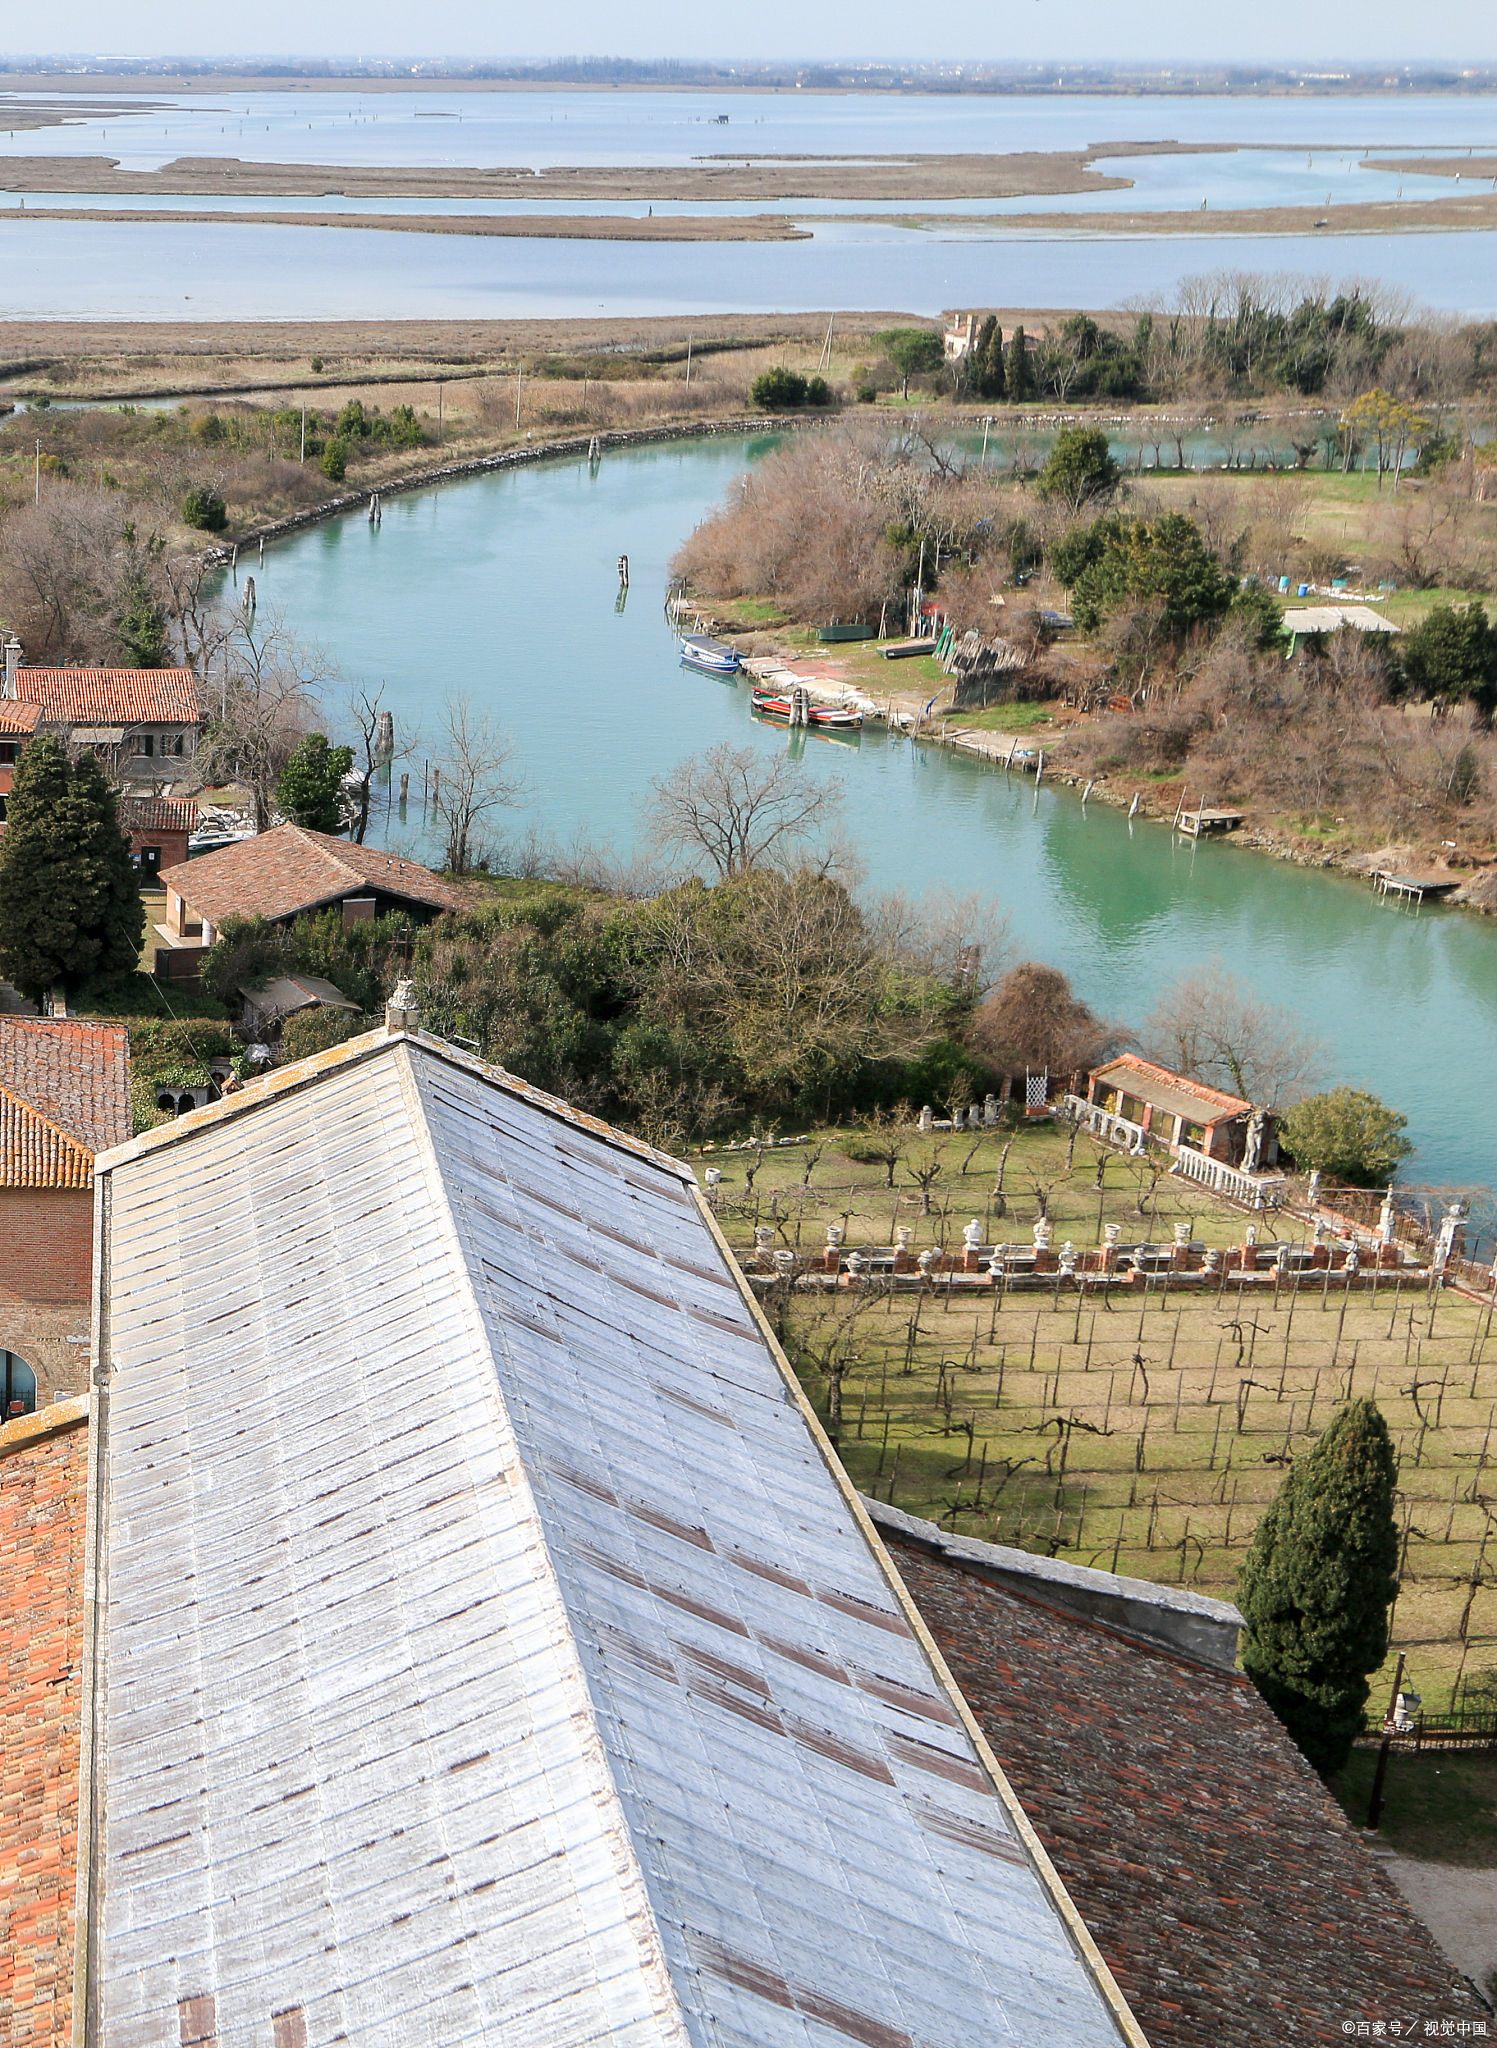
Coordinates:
503	586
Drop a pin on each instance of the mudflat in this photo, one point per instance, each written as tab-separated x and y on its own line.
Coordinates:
1370	217
577	227
893	178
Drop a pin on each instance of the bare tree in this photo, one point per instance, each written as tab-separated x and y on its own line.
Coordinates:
474	782
1033	1023
266	704
741	809
1209	1025
367	713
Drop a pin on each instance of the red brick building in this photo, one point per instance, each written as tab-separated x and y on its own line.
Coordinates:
158	828
43	1492
64	1096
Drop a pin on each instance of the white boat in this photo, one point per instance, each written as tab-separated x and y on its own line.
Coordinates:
699	650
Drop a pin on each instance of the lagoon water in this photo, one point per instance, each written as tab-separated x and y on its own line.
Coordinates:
504	588
1288	152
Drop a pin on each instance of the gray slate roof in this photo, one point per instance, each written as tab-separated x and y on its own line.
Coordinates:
490	1650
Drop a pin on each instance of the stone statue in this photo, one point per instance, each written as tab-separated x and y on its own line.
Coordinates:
927	1259
1068	1257
1044	1231
972	1235
927	1118
990	1109
1252	1148
1385	1219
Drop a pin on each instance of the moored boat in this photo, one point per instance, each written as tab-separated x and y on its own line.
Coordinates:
713	657
829	717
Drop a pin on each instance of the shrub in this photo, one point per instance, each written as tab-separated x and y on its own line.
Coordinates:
335	460
818	392
312	1031
204	509
779	389
1348	1134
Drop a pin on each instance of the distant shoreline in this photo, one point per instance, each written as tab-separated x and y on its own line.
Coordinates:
891	84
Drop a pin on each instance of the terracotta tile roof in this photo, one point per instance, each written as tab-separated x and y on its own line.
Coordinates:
157	813
64	1095
290	869
112	696
1232	1900
1170	1091
16	715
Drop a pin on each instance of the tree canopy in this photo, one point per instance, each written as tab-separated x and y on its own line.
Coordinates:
1316	1585
914	351
1118	561
70	908
1450	654
1080	468
310	790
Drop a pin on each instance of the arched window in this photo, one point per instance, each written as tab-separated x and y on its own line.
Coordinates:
17	1387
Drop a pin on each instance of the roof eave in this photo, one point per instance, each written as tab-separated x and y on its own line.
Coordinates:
306	1073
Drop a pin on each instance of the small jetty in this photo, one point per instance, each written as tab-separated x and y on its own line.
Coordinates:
1414	888
1196	824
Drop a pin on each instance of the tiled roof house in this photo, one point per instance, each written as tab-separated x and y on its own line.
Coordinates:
289	871
1234	1904
490	1648
64	1097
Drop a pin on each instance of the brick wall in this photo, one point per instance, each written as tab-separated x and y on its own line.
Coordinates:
1232	1901
46	1246
43	1486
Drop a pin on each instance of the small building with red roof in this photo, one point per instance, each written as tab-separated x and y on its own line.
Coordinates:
1175	1112
144	722
64	1098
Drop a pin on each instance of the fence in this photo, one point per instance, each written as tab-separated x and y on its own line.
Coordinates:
1462	1730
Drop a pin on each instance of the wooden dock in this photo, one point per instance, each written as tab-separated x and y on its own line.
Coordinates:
1436	882
1196	823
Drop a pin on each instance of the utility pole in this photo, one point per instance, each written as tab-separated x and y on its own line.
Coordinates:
304	433
38	472
519	384
441	395
688	359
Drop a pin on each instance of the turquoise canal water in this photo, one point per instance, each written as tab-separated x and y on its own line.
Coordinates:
504	587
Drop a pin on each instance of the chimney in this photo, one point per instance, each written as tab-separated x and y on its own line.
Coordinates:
401	1013
12	656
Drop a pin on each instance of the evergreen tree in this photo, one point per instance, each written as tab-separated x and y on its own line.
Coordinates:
141	627
70	908
1019	369
310	791
1316	1585
987	374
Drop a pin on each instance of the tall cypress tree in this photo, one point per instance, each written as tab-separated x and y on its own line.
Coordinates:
1316	1585
988	379
1020	369
70	908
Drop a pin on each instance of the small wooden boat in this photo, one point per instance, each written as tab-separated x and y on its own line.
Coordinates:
825	717
712	657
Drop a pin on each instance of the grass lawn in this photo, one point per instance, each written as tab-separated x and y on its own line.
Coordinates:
1017	717
1440	1807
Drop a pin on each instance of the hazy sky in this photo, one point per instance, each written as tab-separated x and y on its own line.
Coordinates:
1279	31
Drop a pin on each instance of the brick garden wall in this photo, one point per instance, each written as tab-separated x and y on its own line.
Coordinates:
46	1258
43	1487
1232	1901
